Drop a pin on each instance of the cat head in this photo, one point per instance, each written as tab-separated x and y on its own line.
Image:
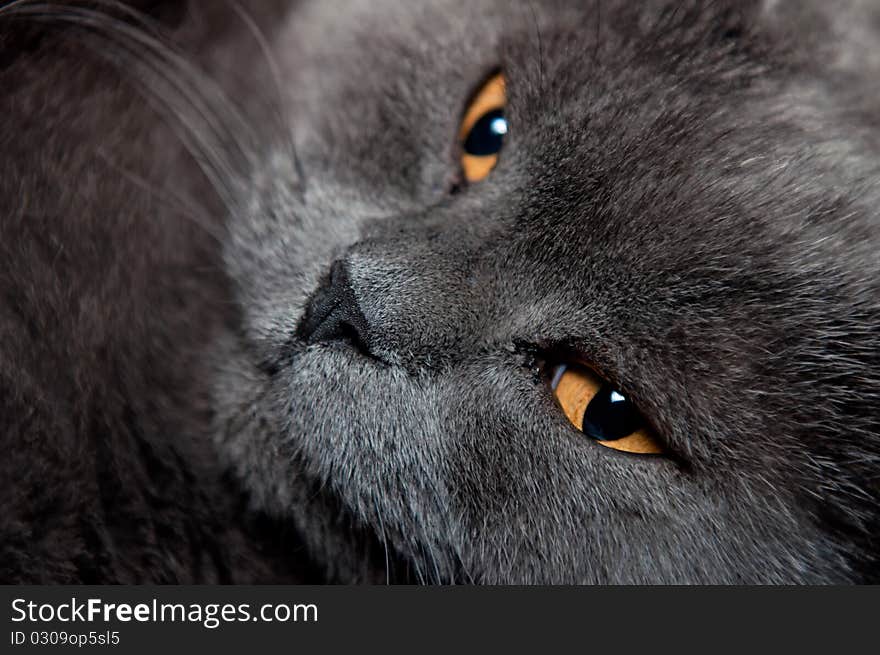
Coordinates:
503	239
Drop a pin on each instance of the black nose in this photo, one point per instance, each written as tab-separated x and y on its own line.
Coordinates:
333	312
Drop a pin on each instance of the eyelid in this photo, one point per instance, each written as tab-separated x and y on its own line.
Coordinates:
575	391
491	95
638	443
574	387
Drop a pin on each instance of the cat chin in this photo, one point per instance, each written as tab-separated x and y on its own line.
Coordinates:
364	459
306	442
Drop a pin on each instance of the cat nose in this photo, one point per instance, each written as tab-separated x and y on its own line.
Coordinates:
333	313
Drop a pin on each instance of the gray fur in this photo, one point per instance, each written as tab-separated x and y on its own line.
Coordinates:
687	200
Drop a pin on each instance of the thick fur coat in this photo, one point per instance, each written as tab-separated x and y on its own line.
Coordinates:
687	201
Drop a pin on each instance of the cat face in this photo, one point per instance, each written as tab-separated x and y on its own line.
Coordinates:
679	211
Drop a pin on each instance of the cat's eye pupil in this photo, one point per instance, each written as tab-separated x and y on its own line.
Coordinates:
487	135
600	411
610	416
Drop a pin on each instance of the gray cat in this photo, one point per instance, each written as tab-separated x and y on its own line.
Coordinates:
492	292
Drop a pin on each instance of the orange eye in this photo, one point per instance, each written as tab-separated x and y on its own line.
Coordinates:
601	412
483	129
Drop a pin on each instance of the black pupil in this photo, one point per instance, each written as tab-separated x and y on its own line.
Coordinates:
610	416
487	134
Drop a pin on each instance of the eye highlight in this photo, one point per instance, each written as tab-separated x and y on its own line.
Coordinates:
601	412
483	129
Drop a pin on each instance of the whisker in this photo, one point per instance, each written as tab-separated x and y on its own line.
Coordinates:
384	541
222	144
540	40
167	198
275	73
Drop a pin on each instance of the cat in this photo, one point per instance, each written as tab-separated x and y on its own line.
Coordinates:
370	291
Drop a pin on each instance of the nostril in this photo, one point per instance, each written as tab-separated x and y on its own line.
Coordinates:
333	312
